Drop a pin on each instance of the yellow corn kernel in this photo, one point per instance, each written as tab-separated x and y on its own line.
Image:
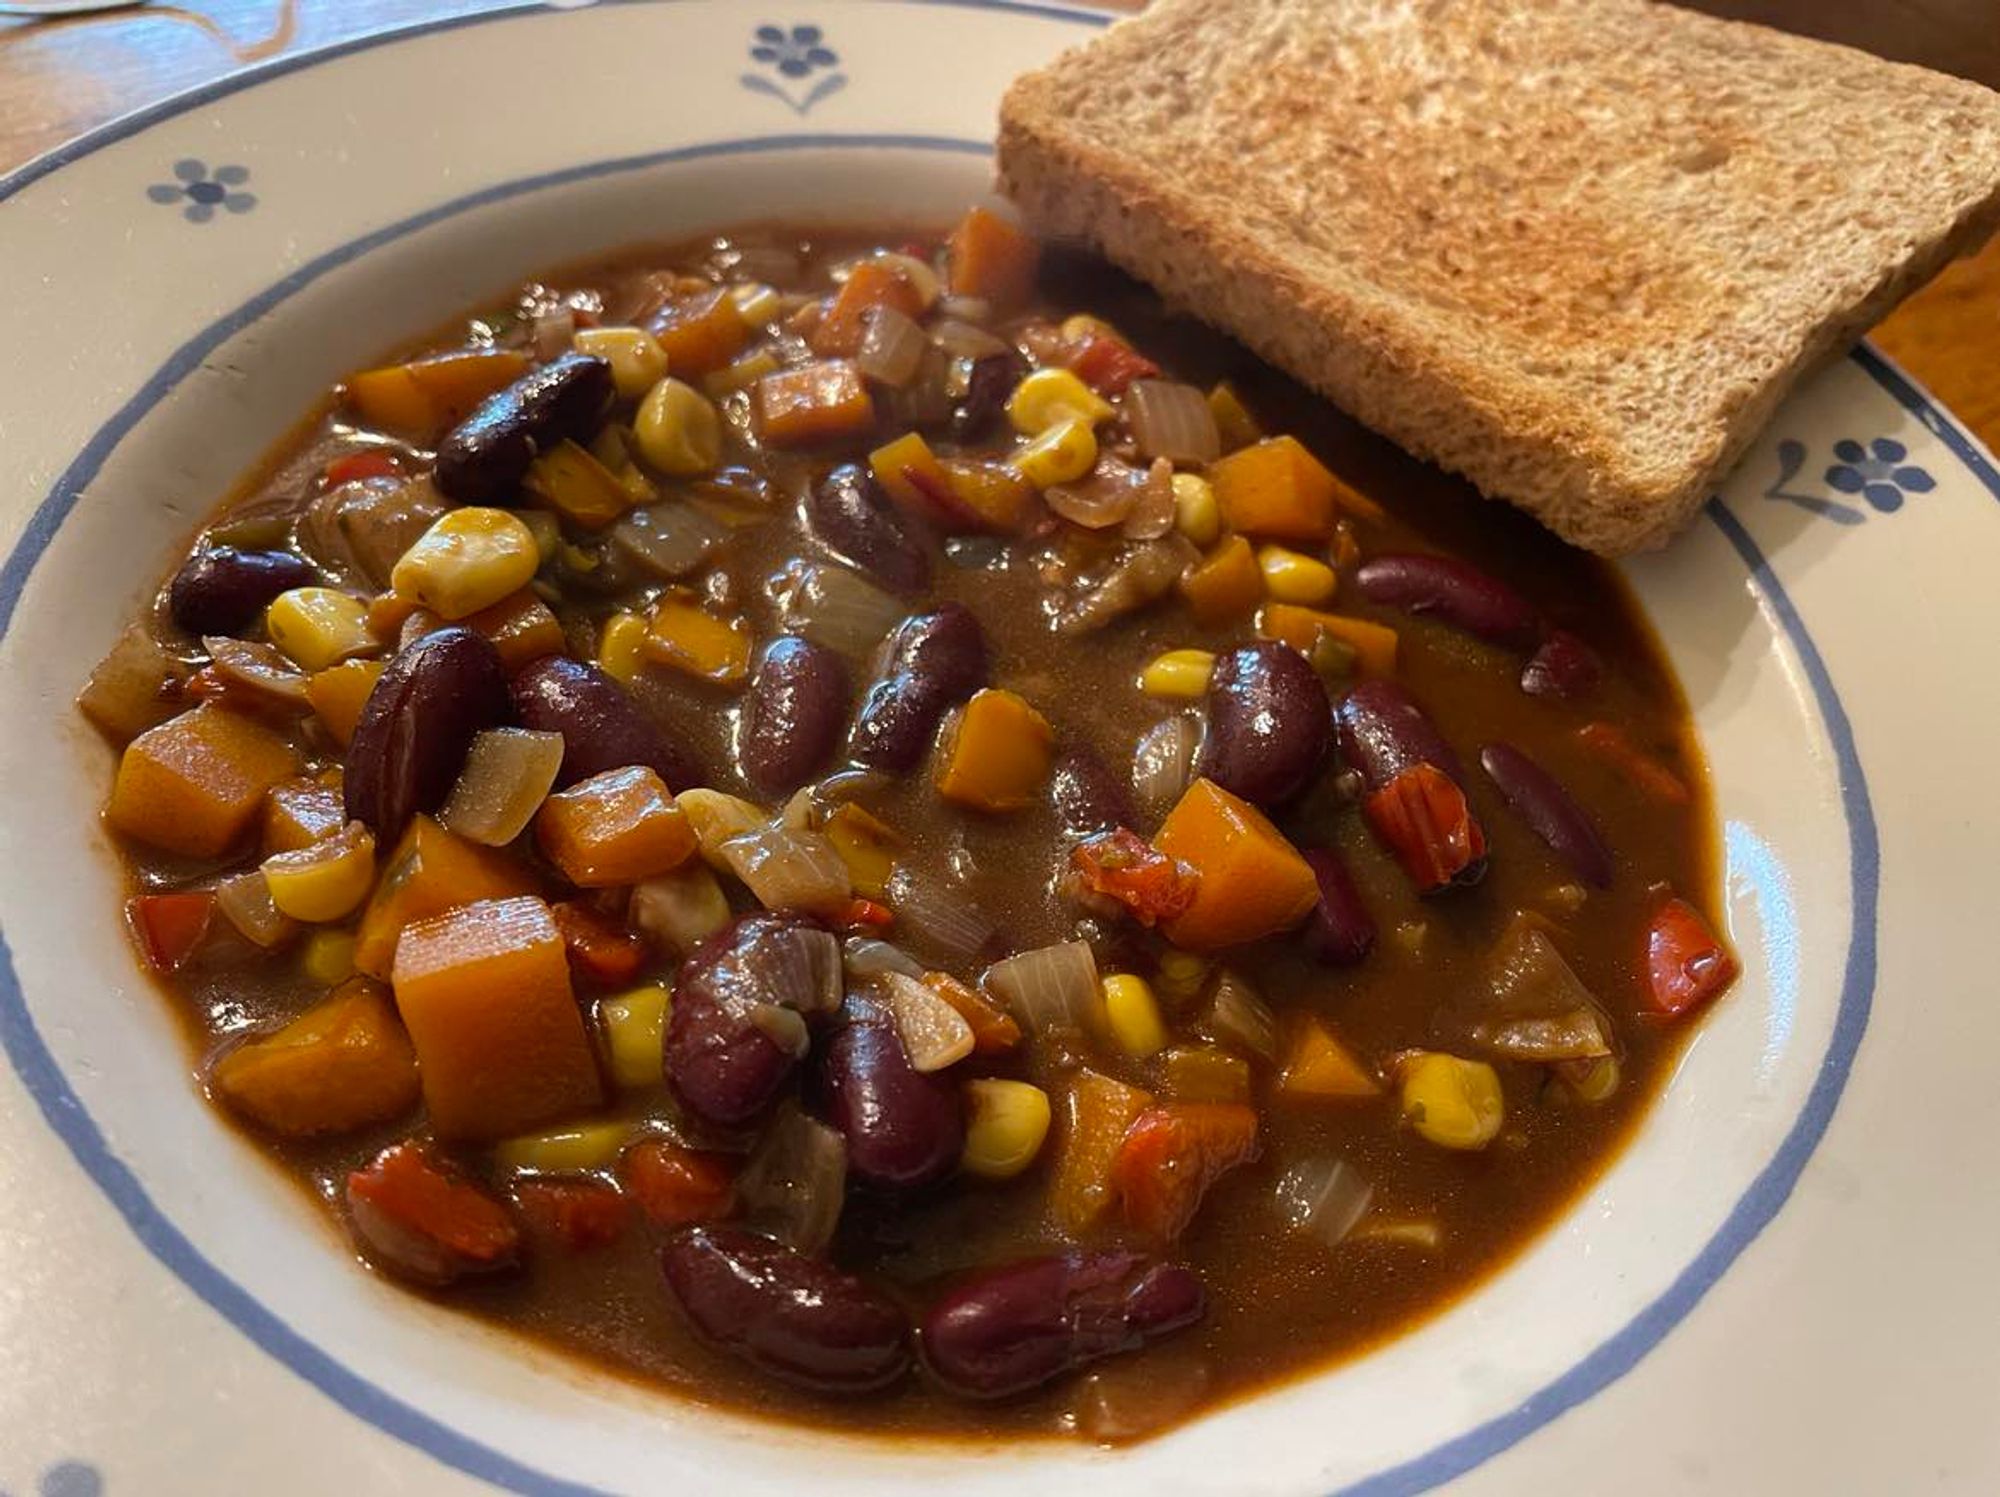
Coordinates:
620	644
1064	453
1196	514
581	1146
677	430
1051	397
716	818
634	1024
756	303
637	361
324	882
469	559
1006	1124
1182	976
1178	675
684	635
1293	577
1132	1015
1454	1103
740	375
328	956
319	627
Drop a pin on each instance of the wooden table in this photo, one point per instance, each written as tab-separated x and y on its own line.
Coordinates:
58	78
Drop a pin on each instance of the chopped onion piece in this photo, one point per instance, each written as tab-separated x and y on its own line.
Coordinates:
508	774
1172	421
1162	762
868	957
934	1034
939	915
923	280
554	331
796	1181
1106	497
833	606
1148	571
892	347
245	901
1325	1197
258	667
788	869
681	909
1237	1016
1536	1008
1053	987
783	1027
963	338
783	964
1153	515
1422	1233
671	540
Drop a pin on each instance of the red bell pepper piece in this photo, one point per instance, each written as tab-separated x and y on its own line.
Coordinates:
1686	964
865	917
355	466
1108	365
1424	818
1170	1156
426	1220
577	1215
598	946
675	1186
1124	866
170	926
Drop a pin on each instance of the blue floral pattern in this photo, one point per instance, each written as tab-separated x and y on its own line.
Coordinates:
199	191
1879	472
794	53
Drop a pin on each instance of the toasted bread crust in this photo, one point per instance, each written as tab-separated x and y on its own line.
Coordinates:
1398	205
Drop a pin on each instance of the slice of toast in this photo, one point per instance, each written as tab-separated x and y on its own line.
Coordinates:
1575	250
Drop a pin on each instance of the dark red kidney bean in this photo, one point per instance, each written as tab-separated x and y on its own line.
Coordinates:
722	1063
933	662
992	379
225	591
904	1128
1564	668
854	519
1383	732
784	1313
792	715
1454	591
1340	931
1088	798
1014	1328
602	727
410	742
1268	723
483	459
1539	799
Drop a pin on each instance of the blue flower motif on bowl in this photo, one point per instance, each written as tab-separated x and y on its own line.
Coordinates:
794	53
70	1479
199	191
1878	473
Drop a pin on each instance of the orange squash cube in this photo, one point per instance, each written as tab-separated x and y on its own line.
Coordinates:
1317	1064
871	284
998	496
299	813
683	634
700	333
344	1063
911	474
339	692
501	1045
424	397
1276	488
430	872
989	258
1374	645
614	828
194	784
522	627
1253	881
1224	585
997	754
817	403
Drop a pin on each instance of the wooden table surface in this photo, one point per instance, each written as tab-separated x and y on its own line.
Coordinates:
60	77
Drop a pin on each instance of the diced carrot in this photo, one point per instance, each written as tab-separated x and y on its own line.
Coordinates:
522	627
676	1186
193	784
866	844
1123	866
339	692
1611	742
814	404
614	828
1686	963
997	496
871	284
344	1063
599	947
993	1030
701	333
424	397
429	1222
1374	645
1426	822
862	917
1108	365
299	813
989	258
169	927
354	467
1225	584
1252	881
1096	1113
574	1215
996	754
683	634
1171	1154
430	872
501	1045
1317	1064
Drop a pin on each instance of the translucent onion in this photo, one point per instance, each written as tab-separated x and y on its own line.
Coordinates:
508	774
1172	421
1162	762
1154	513
965	339
923	280
795	1181
1536	1008
1237	1016
964	308
892	347
778	964
554	331
1324	1197
938	915
259	668
669	540
783	1027
868	957
680	910
1103	499
1051	988
1145	573
245	901
790	869
934	1034
835	607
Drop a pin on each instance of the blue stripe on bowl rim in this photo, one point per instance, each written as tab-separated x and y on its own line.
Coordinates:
65	1113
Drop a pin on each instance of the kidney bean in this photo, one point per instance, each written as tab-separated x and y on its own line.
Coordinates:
784	1313
1340	931
1564	668
417	724
934	661
602	728
904	1129
483	459
1268	723
792	715
987	387
1539	799
1383	732
854	519
1014	1328
424	1222
1088	798
223	590
1457	592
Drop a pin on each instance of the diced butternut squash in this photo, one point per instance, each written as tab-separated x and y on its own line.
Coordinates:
701	333
1253	881
194	784
343	1064
1374	645
1096	1112
501	1045
871	284
867	845
339	692
430	872
1224	585
684	635
1276	488
911	474
997	753
814	404
522	627
996	494
422	398
299	813
614	828
989	258
578	487
1317	1064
